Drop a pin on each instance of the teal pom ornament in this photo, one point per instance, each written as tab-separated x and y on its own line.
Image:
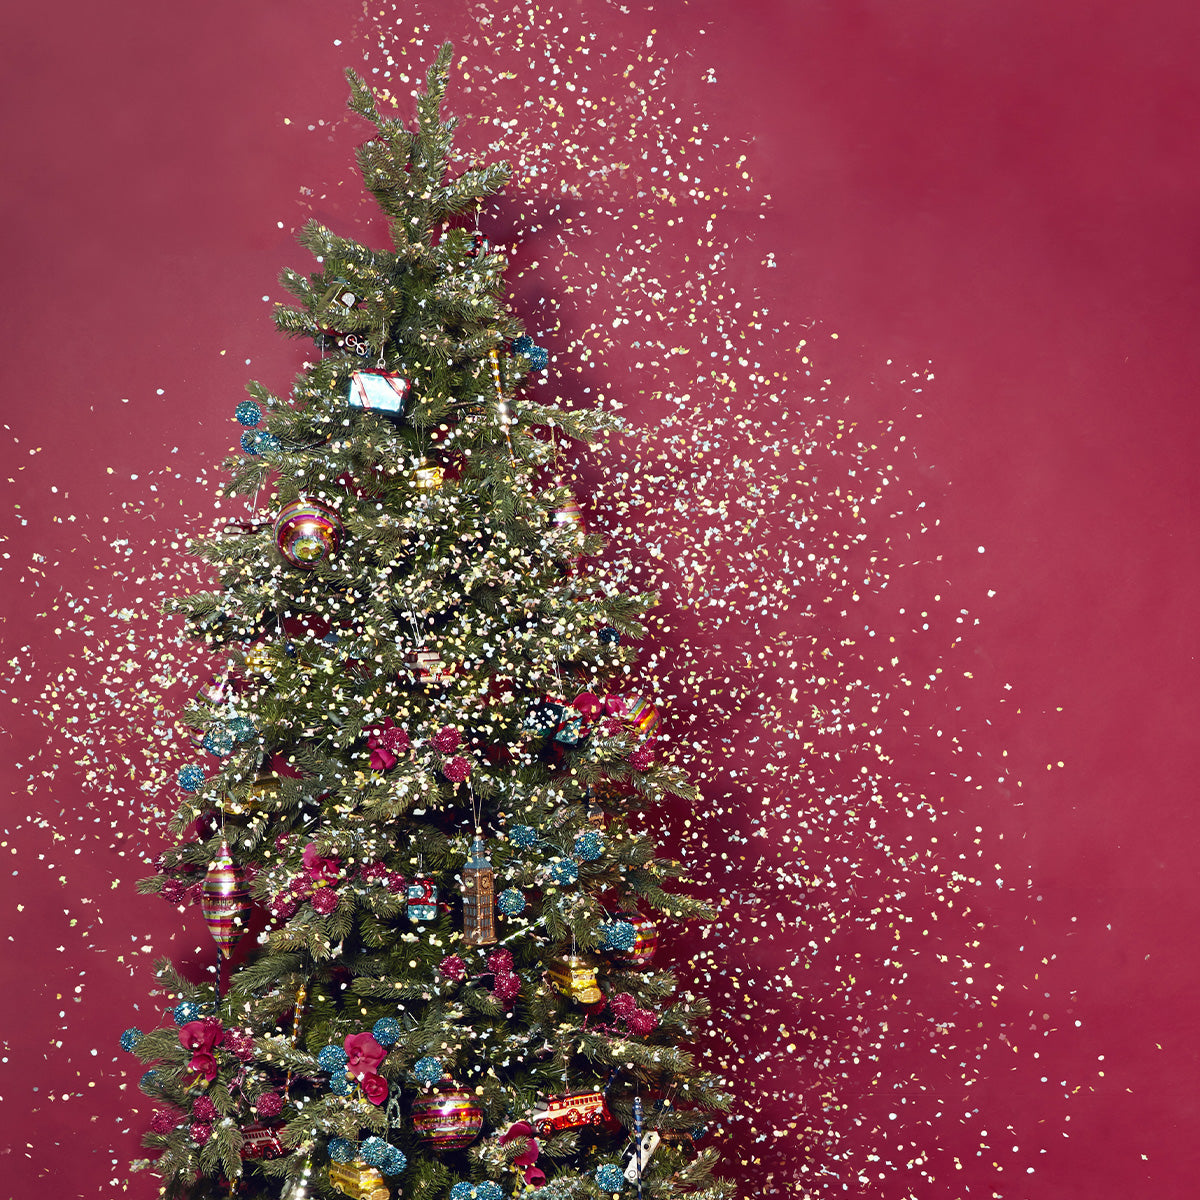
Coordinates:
523	836
609	1177
539	359
386	1030
130	1038
219	741
373	1151
511	902
185	1011
428	1070
489	1189
610	636
247	413
259	441
340	1084
341	1150
242	728
189	778
394	1161
618	935
589	845
332	1059
564	870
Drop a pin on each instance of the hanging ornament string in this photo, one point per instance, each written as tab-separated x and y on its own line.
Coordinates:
301	996
501	403
382	363
637	1142
476	809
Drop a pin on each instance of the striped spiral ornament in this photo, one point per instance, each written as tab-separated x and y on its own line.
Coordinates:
225	900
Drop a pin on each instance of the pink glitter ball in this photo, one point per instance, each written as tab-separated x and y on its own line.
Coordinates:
456	769
447	740
324	901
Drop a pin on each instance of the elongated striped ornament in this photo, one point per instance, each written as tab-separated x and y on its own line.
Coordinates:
225	900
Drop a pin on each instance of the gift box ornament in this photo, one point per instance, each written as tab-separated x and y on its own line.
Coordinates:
427	476
359	1180
545	716
422	899
379	391
642	717
575	976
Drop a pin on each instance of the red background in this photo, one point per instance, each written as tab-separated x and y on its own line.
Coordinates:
1006	192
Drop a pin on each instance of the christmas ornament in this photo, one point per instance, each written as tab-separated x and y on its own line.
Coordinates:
642	716
456	769
261	1141
428	1070
489	1189
374	1151
564	871
427	666
185	1011
130	1038
572	1111
479	245
248	414
219	741
307	532
260	794
359	1180
448	1118
225	900
637	953
539	359
422	899
589	845
341	1150
259	441
256	660
609	1177
609	636
190	778
575	976
479	917
523	836
638	1157
380	392
569	516
426	476
545	716
511	902
386	1031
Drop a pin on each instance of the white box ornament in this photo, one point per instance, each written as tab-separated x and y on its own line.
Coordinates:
379	391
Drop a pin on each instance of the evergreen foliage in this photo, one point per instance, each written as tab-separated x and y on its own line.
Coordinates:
448	671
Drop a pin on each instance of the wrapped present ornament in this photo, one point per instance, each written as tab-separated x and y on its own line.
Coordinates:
642	717
422	897
479	897
359	1180
307	532
575	976
545	716
426	476
479	245
225	900
447	1118
382	392
261	794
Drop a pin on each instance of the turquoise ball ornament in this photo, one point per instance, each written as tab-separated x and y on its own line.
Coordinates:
307	532
610	1177
511	902
190	778
248	414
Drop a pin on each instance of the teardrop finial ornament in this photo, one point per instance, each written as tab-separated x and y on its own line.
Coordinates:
225	900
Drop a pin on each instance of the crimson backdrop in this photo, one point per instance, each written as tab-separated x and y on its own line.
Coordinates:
1008	193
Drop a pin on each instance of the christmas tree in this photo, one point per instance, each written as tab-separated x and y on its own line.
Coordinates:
416	828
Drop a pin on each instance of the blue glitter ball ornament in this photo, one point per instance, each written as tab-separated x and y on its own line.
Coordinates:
523	836
189	778
510	902
149	1081
185	1011
340	1084
332	1058
489	1190
610	636
539	359
462	1191
242	728
564	870
341	1150
248	413
386	1030
373	1151
619	935
428	1070
610	1177
265	442
219	741
130	1038
394	1161
589	845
